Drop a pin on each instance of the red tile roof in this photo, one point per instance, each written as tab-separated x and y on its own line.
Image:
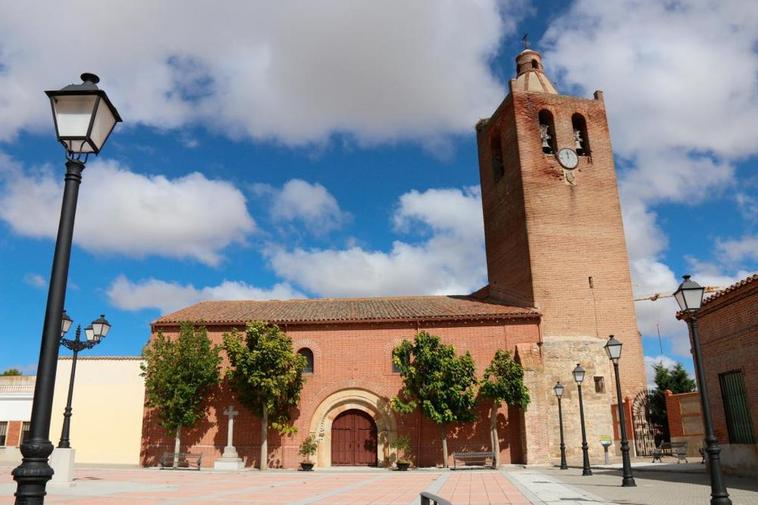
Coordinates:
341	310
734	287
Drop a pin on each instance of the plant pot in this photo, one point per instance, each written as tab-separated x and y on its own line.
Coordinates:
306	466
402	466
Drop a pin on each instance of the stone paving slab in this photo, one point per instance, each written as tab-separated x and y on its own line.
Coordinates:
654	486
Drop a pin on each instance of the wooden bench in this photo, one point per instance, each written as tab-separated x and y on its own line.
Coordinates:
466	457
676	450
186	461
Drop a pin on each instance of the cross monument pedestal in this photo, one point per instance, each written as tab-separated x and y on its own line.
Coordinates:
229	459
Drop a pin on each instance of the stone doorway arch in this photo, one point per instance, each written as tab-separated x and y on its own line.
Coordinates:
354	399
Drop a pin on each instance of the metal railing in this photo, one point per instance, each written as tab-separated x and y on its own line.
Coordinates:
431	499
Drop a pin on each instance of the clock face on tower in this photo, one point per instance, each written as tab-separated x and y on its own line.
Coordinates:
568	158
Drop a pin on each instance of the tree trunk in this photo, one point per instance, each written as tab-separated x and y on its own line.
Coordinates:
264	440
493	434
177	445
443	434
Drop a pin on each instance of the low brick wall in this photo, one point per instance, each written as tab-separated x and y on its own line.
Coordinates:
685	420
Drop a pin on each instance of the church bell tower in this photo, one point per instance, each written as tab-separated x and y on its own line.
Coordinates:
553	229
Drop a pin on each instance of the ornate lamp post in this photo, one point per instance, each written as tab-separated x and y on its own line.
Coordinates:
613	349
579	378
94	333
558	390
84	118
689	296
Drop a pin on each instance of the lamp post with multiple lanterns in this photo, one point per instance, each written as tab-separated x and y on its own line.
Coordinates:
84	118
689	296
613	349
94	333
579	378
558	390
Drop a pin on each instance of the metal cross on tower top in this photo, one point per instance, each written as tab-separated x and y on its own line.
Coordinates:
525	41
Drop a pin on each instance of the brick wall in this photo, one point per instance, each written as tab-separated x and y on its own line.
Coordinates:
355	356
728	328
685	419
546	238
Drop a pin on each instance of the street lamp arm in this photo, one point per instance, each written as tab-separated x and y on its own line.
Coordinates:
77	345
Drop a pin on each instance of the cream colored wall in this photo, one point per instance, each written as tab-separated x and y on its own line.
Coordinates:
106	426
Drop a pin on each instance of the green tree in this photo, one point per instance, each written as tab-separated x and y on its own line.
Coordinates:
178	375
503	381
11	372
675	379
267	375
436	380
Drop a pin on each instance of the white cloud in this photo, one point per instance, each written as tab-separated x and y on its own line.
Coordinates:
681	89
743	248
123	212
292	71
449	261
170	296
305	202
445	211
35	280
651	361
677	75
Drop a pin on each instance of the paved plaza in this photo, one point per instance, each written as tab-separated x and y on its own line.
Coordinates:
510	486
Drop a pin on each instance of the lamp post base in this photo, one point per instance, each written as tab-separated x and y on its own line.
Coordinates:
62	461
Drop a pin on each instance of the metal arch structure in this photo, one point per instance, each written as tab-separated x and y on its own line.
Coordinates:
644	431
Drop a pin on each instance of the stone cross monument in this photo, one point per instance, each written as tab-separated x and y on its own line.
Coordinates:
229	460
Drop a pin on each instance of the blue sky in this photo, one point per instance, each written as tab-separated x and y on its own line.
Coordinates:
329	150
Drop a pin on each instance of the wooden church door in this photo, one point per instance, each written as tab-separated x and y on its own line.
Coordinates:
354	439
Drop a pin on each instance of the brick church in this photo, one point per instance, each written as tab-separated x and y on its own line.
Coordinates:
559	284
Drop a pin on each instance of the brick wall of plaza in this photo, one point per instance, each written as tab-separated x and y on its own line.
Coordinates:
728	327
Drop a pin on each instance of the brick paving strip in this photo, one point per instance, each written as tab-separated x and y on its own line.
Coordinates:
340	490
433	488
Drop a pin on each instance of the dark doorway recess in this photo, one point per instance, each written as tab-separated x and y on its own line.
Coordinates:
354	439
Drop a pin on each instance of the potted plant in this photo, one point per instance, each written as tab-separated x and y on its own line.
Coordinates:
307	449
403	445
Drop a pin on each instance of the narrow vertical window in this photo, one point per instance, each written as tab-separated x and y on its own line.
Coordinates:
600	384
308	359
24	432
3	432
496	152
547	132
736	409
581	140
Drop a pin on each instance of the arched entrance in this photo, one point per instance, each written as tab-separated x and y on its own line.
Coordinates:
354	439
375	407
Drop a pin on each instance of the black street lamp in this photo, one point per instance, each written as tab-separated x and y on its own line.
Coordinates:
613	349
94	334
579	378
689	296
84	118
558	390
